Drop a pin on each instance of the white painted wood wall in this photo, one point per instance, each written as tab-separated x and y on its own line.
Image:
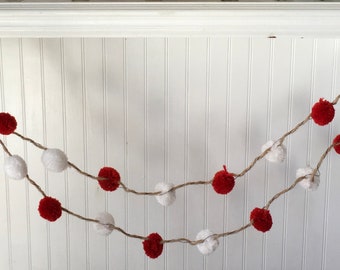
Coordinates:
169	109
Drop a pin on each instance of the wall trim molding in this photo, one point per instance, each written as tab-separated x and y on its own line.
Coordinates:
302	20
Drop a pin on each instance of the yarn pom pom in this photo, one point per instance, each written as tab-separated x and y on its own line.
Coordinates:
54	160
50	208
7	123
223	181
153	245
308	183
105	226
15	167
210	243
112	180
322	112
336	143
168	197
262	220
276	154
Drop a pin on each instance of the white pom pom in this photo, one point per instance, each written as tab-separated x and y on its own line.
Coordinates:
277	153
307	182
210	243
54	160
15	167
104	228
167	198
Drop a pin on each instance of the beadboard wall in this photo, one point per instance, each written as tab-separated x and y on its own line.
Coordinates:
169	110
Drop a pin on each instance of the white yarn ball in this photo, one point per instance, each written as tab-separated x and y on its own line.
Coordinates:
210	243
54	160
167	198
277	153
104	228
15	167
307	182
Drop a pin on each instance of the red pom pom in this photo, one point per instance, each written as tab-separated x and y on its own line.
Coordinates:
262	220
50	208
7	123
153	246
112	176
337	141
223	182
323	112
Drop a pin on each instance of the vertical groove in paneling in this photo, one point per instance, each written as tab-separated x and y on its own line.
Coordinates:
227	144
126	174
23	106
8	205
105	120
166	138
43	108
308	158
268	135
67	201
247	147
288	168
136	90
186	146
85	135
327	179
206	139
206	131
146	147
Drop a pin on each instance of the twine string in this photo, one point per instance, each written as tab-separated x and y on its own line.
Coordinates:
280	141
314	172
30	140
126	189
32	182
4	147
152	193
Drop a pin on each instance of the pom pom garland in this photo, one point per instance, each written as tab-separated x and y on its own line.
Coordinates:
277	153
15	167
54	160
104	228
336	143
168	197
210	243
308	183
50	208
323	112
153	245
8	124
261	218
223	181
112	180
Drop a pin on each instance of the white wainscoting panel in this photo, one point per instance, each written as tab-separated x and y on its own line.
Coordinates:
170	109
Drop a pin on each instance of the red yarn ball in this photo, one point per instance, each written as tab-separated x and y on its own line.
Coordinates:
323	112
153	245
112	178
223	181
7	123
337	141
50	208
262	220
